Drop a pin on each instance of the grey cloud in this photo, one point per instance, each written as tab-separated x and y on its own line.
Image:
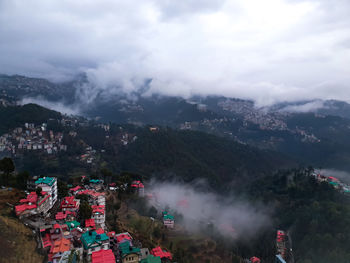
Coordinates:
269	51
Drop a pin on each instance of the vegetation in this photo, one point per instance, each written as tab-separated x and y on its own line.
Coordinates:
316	215
21	114
85	211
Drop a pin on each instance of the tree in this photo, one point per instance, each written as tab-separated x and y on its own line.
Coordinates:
21	180
62	188
7	167
107	175
85	211
82	197
38	191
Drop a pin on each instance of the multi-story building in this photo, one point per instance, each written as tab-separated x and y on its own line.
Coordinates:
94	242
69	203
34	204
98	214
49	185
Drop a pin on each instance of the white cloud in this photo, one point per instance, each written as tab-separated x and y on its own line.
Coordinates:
56	106
307	107
269	51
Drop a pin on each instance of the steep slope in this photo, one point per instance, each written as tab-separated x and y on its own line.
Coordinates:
14	116
190	155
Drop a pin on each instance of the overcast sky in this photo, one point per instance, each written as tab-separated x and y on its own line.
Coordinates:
271	50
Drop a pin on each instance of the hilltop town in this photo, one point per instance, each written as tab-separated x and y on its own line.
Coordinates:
74	227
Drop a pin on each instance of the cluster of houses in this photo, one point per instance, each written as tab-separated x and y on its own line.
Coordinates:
335	182
67	238
88	156
32	138
282	247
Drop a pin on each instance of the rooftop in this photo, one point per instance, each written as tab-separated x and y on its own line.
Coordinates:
90	223
60	246
103	256
89	238
73	224
123	236
151	259
126	249
158	252
46	180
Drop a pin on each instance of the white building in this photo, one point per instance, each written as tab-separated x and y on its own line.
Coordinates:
49	185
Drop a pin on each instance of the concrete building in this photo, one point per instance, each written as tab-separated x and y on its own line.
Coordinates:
49	185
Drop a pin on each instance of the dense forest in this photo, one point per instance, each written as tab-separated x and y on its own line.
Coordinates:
316	214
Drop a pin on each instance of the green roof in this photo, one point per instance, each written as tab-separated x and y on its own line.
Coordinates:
168	217
333	183
89	240
126	249
94	181
46	180
73	224
164	213
151	259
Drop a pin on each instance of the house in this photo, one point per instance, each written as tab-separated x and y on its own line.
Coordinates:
49	185
168	220
255	260
33	204
138	187
98	214
123	237
69	203
103	256
75	190
90	223
128	253
96	183
72	225
58	248
94	242
64	215
163	254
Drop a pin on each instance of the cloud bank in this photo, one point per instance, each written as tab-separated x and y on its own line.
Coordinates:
230	217
268	51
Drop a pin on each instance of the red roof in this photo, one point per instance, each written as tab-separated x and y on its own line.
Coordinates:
61	215
98	209
137	184
333	178
69	202
158	252
74	189
121	237
21	208
111	234
103	256
255	260
99	231
90	223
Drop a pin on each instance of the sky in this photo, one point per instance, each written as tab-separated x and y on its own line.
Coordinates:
269	51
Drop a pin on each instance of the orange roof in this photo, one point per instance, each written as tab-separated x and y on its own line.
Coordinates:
60	246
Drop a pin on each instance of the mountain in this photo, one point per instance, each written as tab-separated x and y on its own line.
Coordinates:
312	132
15	116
